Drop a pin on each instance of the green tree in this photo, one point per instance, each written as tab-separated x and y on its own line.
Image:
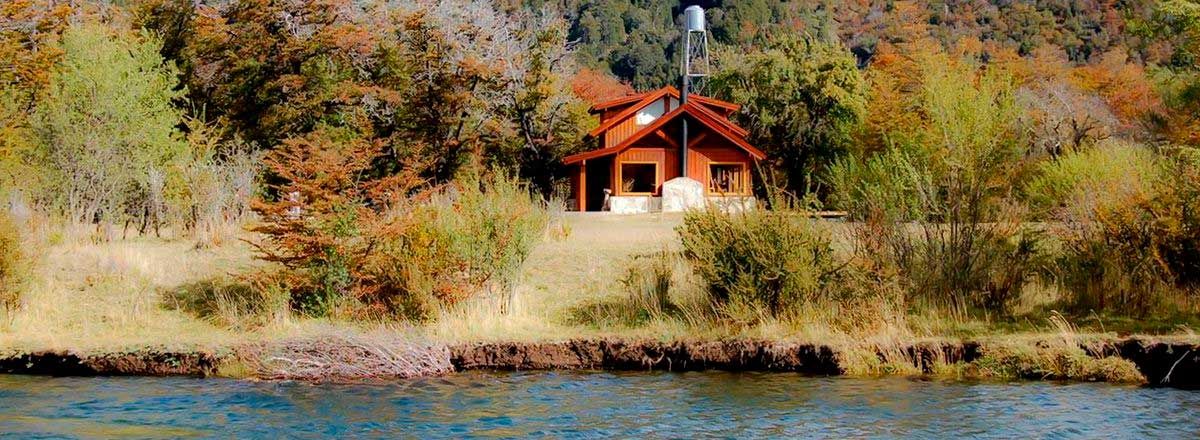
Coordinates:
545	119
107	124
1180	84
800	99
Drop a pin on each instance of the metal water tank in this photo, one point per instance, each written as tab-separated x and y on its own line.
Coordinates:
693	18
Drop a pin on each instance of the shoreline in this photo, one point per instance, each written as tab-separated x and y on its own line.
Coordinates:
1161	363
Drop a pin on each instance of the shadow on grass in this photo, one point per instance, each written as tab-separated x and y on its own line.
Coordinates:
623	312
227	302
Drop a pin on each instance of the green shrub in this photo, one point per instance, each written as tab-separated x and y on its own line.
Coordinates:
1110	169
1129	249
936	205
108	124
886	185
13	261
768	259
492	224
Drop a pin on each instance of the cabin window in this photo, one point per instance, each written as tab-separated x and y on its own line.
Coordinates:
727	178
639	178
649	113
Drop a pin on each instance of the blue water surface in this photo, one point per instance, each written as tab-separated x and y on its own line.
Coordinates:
589	405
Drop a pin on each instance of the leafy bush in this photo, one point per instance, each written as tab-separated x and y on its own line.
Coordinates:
13	261
471	235
354	244
936	203
1081	177
886	185
107	125
768	259
1127	250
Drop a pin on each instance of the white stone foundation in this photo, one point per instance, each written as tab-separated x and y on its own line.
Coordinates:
634	204
681	194
645	204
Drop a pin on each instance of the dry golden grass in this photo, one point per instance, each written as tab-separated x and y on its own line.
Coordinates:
561	275
86	295
110	296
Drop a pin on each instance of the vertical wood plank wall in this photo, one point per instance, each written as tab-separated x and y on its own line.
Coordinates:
699	159
627	127
666	158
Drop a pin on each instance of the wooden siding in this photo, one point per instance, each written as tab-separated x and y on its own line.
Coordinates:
701	156
628	127
708	151
666	158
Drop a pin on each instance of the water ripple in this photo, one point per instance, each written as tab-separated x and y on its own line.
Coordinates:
590	405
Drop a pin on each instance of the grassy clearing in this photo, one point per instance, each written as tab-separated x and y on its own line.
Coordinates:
610	276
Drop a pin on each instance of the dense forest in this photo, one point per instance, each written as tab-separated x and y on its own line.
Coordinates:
636	40
441	85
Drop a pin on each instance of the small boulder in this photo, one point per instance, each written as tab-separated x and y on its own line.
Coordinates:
681	194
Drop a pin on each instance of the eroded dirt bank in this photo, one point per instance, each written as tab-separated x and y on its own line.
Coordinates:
1162	363
672	356
136	363
1169	364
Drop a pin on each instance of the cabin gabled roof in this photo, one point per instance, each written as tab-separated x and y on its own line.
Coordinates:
698	112
633	103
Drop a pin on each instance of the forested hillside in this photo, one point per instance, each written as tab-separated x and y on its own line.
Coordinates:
440	86
637	40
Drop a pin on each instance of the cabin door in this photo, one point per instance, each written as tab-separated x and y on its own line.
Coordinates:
599	176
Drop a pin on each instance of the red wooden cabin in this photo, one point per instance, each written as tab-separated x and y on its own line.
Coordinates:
638	150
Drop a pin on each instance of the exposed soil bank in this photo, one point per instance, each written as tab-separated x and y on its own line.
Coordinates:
673	356
138	363
1162	363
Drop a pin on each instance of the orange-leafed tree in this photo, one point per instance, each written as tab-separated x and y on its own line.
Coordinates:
1124	86
593	86
28	37
323	223
275	69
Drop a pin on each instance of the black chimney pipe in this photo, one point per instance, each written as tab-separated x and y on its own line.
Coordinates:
683	146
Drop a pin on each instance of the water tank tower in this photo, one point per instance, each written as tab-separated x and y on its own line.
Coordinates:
694	65
695	44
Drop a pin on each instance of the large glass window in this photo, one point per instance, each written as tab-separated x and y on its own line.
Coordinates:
639	178
727	178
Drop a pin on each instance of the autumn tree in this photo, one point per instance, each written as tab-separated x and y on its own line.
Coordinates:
29	49
1124	86
1063	118
545	119
1180	82
327	219
594	87
274	69
445	62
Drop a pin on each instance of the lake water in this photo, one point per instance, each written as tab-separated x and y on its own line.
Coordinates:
589	405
